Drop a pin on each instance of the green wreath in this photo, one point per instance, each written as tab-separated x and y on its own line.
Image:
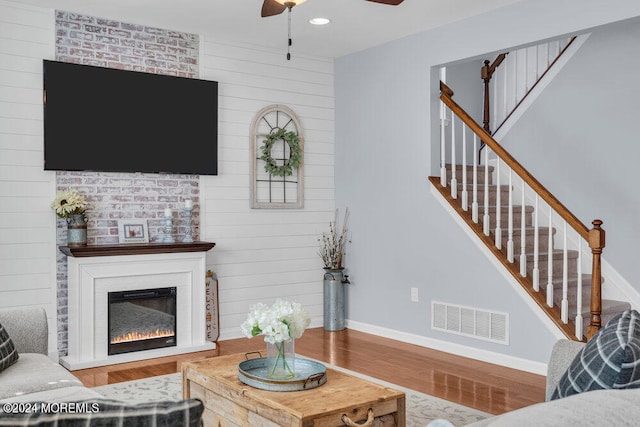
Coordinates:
295	154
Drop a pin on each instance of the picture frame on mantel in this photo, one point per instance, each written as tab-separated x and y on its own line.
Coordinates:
133	231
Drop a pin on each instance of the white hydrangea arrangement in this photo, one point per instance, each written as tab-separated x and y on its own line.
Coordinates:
280	322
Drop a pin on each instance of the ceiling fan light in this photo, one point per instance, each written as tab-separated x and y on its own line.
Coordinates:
319	21
295	2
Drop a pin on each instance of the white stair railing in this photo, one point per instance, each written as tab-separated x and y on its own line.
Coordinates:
512	76
563	254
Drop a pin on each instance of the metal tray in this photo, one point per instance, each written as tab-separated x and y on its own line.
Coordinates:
309	374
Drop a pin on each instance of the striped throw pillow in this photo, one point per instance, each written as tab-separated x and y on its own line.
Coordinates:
8	352
610	360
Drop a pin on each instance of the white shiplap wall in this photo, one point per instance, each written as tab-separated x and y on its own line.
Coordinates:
27	223
260	254
264	254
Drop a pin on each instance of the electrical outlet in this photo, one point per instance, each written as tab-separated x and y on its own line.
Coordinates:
414	295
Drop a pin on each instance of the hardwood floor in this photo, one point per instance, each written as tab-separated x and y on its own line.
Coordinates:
480	385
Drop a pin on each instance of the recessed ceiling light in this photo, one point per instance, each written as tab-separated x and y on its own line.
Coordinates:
319	21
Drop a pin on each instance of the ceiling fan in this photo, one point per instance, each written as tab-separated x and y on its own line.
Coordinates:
276	7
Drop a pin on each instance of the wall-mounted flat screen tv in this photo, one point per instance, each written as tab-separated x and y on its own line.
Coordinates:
110	120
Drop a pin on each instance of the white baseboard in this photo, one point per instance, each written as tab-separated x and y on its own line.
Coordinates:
234	333
457	349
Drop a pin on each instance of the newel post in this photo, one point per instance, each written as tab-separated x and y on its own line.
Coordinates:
596	243
486	77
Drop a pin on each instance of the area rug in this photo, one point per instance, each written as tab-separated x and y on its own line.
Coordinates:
420	408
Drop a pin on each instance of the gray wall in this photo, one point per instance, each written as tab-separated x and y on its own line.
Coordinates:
465	80
402	237
580	139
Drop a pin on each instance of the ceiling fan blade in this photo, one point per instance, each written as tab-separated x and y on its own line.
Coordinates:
389	2
272	7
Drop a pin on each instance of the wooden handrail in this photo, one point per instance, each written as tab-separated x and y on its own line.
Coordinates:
535	185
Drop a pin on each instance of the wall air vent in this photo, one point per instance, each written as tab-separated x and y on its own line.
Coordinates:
471	322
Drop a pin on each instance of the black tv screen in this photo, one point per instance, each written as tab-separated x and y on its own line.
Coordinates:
110	120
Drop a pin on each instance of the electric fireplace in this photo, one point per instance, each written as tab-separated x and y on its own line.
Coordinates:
141	319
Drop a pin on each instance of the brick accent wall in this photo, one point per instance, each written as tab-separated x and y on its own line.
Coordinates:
101	42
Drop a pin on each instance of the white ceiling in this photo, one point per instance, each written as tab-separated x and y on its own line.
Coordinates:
356	24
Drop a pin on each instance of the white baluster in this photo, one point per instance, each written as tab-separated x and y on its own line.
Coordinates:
465	196
474	204
526	70
504	95
564	311
515	82
537	56
454	181
578	321
550	262
546	58
523	234
486	217
443	157
510	221
536	247
494	106
498	210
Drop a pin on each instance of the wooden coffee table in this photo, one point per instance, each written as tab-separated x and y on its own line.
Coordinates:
229	402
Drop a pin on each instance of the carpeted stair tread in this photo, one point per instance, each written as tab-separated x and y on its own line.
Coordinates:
557	264
480	176
504	195
504	213
543	239
556	254
608	306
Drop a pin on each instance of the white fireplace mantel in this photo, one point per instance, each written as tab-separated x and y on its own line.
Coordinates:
94	272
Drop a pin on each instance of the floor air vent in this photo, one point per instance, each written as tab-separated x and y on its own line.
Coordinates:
471	322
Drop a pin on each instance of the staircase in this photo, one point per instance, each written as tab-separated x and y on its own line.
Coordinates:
525	240
548	250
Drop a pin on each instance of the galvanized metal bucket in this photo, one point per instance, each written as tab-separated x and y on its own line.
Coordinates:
76	230
334	296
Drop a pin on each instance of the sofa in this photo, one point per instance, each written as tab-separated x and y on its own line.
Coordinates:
35	376
592	384
594	408
37	391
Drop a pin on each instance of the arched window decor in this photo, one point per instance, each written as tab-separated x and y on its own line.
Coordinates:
277	159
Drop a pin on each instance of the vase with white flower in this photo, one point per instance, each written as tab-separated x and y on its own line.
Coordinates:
280	323
71	206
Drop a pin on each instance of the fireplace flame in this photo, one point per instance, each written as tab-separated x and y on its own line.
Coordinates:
140	336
